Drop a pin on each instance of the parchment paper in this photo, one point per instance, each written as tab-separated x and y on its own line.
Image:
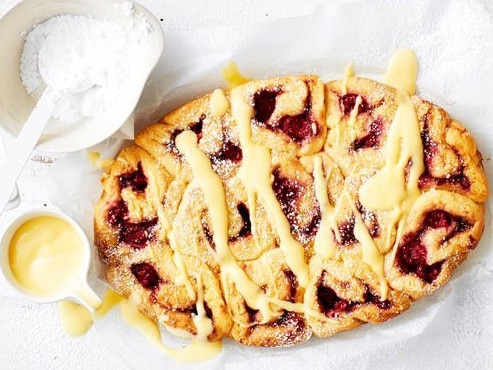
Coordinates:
453	40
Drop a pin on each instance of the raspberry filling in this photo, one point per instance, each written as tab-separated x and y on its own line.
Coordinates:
372	138
347	103
411	258
246	229
135	234
430	150
208	234
411	254
346	232
229	152
264	104
118	214
370	297
138	235
371	220
293	328
252	314
288	193
308	231
293	284
333	306
196	127
135	179
330	303
146	275
299	128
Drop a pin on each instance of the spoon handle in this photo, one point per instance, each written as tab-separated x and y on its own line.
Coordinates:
24	144
86	296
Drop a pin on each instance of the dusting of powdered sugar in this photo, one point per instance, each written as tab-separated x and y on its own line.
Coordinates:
86	59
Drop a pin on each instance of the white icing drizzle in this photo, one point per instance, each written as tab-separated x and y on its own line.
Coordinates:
182	279
198	350
215	199
202	322
371	255
403	71
388	188
255	173
348	72
353	116
301	308
218	104
324	244
154	192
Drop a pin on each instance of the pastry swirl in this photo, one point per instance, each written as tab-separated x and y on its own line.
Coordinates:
264	205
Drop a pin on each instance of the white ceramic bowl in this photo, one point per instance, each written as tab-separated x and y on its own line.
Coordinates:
16	104
77	288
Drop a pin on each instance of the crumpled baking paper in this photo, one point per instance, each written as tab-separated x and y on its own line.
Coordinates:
453	41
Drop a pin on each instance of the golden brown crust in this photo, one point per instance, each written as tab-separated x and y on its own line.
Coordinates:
153	229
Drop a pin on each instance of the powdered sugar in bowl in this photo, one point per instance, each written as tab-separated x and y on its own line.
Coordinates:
118	44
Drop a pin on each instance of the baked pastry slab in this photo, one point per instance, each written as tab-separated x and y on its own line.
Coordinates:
256	206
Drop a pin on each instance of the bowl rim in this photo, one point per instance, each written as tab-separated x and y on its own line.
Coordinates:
5	244
23	16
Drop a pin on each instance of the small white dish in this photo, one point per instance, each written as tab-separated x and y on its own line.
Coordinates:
16	104
76	286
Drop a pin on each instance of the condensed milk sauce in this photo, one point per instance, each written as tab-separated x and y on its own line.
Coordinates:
46	255
47	259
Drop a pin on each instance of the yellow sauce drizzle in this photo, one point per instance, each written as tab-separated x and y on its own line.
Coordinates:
232	75
76	319
98	162
182	279
388	189
110	300
402	71
196	351
348	72
353	116
202	322
324	240
255	173
154	192
371	255
299	308
215	198
46	255
218	104
133	317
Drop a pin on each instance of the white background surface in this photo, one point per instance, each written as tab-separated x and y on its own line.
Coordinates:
31	336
